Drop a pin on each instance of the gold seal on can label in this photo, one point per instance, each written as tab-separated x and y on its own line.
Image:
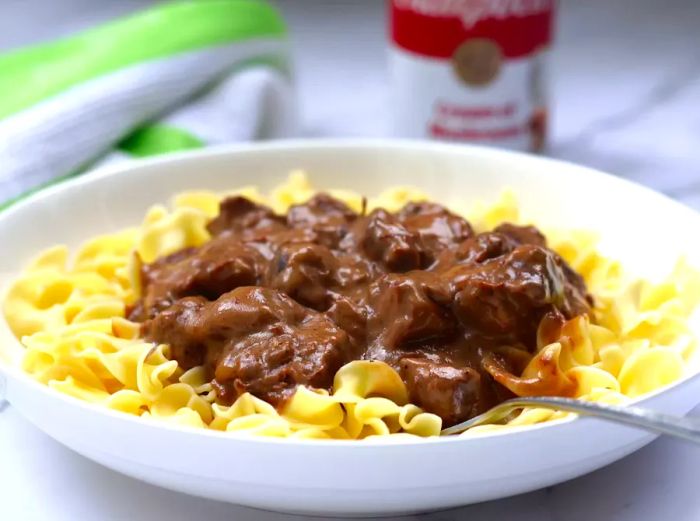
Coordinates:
477	61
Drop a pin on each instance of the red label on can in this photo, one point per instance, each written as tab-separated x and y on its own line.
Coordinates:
437	27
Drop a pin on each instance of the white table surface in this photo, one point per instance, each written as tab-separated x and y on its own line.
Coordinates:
626	91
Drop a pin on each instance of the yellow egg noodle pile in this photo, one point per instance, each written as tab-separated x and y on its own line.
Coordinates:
69	315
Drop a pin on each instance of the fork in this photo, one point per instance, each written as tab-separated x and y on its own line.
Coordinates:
685	428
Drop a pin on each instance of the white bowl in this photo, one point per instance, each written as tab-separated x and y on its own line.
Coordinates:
644	229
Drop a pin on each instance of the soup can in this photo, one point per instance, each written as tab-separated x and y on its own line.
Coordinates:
471	70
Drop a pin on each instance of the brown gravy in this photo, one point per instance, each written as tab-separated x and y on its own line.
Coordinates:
273	302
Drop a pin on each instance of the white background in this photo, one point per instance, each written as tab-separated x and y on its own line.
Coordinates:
626	91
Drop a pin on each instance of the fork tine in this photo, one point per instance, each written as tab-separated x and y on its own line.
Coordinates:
493	415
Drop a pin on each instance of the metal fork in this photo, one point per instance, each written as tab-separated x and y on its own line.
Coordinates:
686	428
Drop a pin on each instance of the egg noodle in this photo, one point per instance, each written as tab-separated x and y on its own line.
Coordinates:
69	314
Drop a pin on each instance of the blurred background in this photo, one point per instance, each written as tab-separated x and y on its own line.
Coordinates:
624	89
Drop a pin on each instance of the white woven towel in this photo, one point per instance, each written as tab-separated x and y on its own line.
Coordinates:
227	83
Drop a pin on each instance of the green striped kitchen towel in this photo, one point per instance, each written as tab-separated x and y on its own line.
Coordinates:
180	75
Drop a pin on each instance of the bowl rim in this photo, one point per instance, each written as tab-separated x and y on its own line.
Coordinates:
8	370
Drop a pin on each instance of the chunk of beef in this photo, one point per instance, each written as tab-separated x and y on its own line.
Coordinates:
411	308
241	216
484	247
305	272
385	240
522	234
350	315
256	340
507	296
436	227
328	217
180	326
453	393
219	266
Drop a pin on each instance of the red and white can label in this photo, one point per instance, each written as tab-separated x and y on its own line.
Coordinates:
471	70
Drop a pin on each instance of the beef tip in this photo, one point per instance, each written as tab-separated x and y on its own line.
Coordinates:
173	258
411	308
475	250
350	316
272	364
304	271
507	296
181	327
219	266
222	265
354	272
504	240
385	240
453	393
328	217
321	208
241	216
256	340
522	234
485	246
437	227
150	274
195	324
577	300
